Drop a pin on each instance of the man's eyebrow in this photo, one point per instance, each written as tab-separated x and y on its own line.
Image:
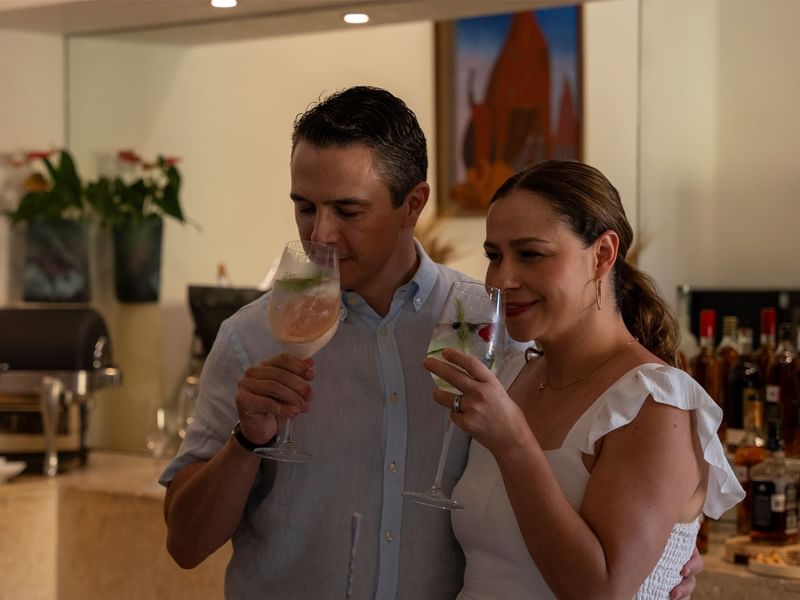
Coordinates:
337	201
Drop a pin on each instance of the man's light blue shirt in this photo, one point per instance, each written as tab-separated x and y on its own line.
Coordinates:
374	431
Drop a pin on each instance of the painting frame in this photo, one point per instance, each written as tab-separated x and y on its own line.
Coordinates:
463	187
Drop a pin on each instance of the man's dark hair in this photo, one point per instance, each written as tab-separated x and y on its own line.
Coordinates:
374	118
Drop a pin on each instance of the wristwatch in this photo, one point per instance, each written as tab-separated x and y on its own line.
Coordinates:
244	442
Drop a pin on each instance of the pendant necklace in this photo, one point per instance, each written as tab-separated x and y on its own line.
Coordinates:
544	384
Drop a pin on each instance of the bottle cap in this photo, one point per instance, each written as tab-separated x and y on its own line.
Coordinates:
708	323
768	320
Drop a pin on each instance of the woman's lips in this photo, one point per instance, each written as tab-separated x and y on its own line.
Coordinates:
517	308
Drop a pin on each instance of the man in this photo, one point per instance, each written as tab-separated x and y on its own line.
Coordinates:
358	168
363	404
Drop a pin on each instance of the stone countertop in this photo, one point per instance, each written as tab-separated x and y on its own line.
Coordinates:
96	532
111	472
721	579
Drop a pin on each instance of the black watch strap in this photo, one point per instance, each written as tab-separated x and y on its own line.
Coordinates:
244	442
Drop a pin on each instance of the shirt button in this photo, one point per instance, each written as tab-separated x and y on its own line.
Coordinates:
417	301
393	467
394	398
389	535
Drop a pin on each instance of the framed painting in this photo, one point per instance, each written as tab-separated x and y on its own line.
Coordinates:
508	95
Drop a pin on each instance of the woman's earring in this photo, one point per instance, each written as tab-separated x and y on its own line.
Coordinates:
598	289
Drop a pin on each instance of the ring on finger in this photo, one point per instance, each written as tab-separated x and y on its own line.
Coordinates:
457	404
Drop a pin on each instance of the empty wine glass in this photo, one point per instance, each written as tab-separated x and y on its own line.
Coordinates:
471	321
303	316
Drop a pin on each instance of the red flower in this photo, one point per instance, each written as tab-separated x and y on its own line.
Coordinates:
129	156
38	155
486	332
171	161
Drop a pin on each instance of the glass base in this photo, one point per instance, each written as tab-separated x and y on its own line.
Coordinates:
433	498
284	453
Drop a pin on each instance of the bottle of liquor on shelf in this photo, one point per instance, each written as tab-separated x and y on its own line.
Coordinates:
744	400
707	366
745	384
774	485
781	386
223	279
728	352
766	345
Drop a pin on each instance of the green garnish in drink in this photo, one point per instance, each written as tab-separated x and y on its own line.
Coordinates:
297	285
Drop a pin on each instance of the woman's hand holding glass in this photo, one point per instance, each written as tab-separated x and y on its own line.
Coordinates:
487	412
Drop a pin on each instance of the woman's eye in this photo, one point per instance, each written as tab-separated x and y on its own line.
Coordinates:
492	256
306	210
345	214
529	254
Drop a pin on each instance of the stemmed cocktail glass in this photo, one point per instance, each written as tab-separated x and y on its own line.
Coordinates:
303	315
471	321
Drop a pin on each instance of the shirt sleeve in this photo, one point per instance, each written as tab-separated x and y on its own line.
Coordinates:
215	412
672	387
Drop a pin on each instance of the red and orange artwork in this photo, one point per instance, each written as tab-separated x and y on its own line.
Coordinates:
509	96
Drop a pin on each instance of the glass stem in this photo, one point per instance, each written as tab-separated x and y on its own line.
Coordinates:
437	482
286	438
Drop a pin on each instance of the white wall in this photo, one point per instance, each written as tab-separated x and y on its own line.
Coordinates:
720	140
228	111
678	141
31	118
757	213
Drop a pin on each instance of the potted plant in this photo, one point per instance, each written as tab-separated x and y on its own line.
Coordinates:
133	204
53	211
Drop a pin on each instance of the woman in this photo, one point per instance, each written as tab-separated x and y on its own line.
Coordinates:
587	477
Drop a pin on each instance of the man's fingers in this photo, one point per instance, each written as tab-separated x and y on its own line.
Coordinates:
250	404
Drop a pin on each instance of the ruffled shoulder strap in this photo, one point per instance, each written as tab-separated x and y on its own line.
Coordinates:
620	404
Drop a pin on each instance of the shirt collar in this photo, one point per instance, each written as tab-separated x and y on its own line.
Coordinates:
424	279
417	289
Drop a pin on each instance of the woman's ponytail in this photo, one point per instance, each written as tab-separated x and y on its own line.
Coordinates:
645	314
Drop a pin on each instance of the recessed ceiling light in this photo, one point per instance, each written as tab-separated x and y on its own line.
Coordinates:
356	18
223	3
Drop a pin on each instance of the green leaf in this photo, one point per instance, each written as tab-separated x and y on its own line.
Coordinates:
296	285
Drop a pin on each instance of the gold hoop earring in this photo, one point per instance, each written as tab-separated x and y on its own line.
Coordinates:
598	292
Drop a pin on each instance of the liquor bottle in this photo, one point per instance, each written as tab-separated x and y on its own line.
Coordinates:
223	280
781	386
744	391
773	485
728	352
707	366
766	345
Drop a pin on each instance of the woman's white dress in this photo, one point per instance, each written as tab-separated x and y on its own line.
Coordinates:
498	564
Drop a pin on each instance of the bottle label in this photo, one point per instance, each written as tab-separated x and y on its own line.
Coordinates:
777	503
774	507
753	409
773	393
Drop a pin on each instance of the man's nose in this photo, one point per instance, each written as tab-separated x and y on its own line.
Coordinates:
325	228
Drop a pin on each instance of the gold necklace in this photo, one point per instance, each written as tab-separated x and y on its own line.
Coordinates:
545	384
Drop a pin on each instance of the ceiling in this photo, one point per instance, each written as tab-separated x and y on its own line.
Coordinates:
166	20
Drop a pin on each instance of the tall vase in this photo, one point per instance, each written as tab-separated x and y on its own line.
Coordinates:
57	261
137	259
